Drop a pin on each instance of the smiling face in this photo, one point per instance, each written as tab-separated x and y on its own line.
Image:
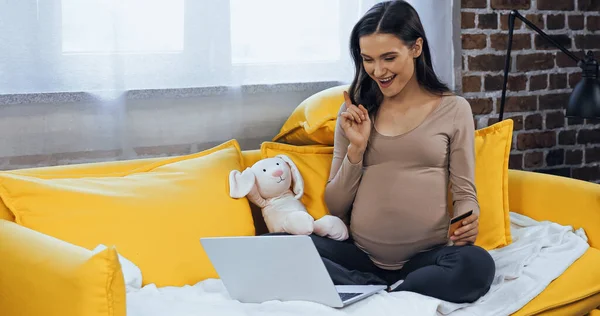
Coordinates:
388	61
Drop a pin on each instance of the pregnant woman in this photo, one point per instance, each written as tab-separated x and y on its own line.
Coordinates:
401	139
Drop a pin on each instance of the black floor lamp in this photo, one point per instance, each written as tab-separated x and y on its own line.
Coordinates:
584	101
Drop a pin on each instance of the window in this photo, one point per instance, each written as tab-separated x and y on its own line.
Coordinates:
122	26
275	31
119	45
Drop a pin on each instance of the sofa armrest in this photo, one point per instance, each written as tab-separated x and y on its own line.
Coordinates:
41	275
562	200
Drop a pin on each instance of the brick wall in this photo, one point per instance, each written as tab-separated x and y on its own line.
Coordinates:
540	80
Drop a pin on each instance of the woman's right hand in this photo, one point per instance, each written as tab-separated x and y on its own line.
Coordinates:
356	124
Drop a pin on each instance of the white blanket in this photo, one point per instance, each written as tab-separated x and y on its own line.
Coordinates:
540	252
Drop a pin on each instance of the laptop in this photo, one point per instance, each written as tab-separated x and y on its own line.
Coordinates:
255	269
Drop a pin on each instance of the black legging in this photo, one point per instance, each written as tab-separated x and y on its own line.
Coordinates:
460	274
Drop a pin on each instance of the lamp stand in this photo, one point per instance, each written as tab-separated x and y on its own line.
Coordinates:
589	66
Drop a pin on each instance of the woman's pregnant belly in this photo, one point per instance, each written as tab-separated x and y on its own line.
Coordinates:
398	213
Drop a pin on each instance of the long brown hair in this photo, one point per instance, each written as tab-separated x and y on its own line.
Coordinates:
400	19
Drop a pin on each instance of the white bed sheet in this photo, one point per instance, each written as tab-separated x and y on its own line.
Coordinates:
540	252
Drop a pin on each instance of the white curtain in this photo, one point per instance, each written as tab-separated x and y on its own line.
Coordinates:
442	28
121	45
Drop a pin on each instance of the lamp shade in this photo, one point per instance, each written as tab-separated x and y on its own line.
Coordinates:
585	99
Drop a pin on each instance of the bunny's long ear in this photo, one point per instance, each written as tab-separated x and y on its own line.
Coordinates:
298	187
240	183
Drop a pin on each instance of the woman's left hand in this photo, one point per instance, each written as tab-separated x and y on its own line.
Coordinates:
467	233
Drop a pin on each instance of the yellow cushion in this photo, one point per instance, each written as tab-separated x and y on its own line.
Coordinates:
314	163
492	151
105	168
42	275
155	214
581	281
313	121
251	156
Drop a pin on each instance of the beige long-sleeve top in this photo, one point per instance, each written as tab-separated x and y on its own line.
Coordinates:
396	197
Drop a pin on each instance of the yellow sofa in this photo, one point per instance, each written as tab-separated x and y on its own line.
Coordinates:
57	264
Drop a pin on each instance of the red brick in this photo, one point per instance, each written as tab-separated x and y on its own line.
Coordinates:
554	101
555	157
567	137
576	22
481	105
588	41
519	41
474	41
486	63
589	136
517	121
534	159
536	61
574	157
555	21
535	140
515	161
511	4
478	4
471	83
558	5
504	22
538	82
562	39
515	83
518	104
488	21
536	19
592	154
558	81
589	5
467	20
562	60
534	121
555	120
574	79
593	23
494	83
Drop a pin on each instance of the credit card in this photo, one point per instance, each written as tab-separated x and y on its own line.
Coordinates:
455	222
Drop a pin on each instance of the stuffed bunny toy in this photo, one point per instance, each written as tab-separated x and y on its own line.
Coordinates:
268	184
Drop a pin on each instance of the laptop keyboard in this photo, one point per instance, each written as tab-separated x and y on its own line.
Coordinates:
347	296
